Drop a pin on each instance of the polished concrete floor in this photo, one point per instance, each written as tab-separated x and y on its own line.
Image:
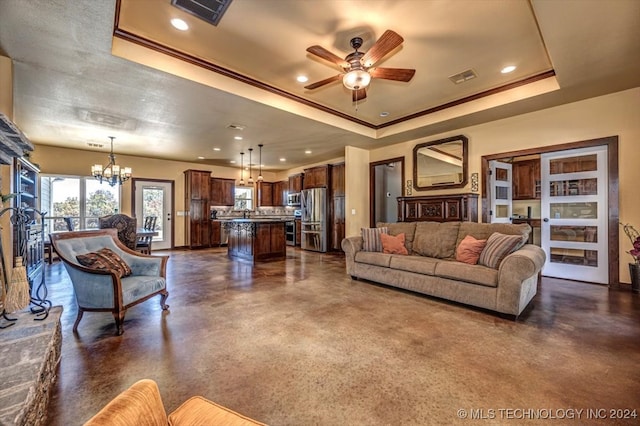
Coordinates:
297	342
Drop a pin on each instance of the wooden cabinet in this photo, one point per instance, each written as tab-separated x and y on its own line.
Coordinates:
280	193
216	228
265	194
28	236
296	183
337	207
439	208
298	223
197	224
317	177
526	180
256	241
222	192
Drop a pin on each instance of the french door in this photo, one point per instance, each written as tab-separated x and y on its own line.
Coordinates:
574	213
500	182
154	198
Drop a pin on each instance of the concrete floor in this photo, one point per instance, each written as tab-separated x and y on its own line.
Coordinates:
297	342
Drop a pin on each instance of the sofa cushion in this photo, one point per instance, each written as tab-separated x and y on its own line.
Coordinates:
469	250
105	260
417	264
373	258
406	228
200	411
393	245
435	239
482	231
476	274
371	238
498	247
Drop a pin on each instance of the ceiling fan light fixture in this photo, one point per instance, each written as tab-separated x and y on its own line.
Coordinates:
356	79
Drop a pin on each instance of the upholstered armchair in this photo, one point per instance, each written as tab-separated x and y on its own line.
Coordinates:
107	285
125	225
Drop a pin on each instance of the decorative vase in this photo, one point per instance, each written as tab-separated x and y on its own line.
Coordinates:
19	293
634	271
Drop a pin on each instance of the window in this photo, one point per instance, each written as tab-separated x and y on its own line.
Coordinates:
83	199
244	198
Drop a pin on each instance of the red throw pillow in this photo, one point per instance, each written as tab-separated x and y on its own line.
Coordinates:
469	250
393	245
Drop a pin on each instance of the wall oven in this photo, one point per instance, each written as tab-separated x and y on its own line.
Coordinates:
290	232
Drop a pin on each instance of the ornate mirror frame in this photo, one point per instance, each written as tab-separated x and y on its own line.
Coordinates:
462	158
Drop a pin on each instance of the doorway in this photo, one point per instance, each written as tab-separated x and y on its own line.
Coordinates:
155	197
578	216
385	186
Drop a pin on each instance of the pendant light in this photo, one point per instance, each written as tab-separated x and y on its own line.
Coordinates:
250	182
260	178
241	183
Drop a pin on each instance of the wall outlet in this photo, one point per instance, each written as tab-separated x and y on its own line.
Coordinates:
353	212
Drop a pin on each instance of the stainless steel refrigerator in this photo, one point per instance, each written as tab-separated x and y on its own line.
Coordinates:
313	203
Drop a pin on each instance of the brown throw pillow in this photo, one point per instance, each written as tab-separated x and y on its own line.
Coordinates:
469	250
371	238
393	245
105	260
498	247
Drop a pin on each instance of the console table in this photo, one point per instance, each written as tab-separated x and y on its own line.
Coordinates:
438	208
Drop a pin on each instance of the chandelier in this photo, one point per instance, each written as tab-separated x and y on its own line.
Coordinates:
111	173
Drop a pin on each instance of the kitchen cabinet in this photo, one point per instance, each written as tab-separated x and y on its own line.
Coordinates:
280	193
256	241
438	208
216	227
198	223
526	180
296	183
222	192
337	207
298	223
265	194
317	177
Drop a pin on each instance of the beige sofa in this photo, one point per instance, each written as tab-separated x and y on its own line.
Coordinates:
507	289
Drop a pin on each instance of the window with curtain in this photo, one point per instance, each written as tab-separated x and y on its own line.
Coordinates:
83	199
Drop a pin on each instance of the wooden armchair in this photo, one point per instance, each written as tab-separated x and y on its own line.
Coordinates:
106	290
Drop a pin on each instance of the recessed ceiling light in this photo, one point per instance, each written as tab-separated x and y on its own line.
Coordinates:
200	158
283	159
232	161
238	138
179	24
308	151
302	78
384	114
216	149
507	70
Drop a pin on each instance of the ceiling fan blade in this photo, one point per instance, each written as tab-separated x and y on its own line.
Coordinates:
323	82
328	56
358	95
398	74
385	44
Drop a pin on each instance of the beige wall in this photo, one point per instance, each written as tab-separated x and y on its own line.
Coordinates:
610	115
74	162
6	184
356	182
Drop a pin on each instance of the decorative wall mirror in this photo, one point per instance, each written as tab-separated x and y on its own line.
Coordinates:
440	164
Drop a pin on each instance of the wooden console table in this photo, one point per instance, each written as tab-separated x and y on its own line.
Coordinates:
438	208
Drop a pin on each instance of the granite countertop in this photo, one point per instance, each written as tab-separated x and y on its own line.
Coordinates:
257	219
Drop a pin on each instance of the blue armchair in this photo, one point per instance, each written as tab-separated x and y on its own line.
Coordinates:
105	291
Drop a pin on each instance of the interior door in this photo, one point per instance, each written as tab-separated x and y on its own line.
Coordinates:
154	198
575	214
500	184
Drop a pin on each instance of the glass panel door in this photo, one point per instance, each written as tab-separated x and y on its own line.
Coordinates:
574	212
154	199
500	182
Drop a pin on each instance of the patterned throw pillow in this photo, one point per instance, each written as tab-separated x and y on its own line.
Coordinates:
371	238
498	247
469	250
105	260
393	245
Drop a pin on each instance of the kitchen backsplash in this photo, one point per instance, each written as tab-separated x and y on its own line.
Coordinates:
227	211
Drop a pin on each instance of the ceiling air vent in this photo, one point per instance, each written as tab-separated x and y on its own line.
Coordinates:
235	126
207	10
463	76
94	145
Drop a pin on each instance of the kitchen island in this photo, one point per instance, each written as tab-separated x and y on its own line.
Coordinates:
257	240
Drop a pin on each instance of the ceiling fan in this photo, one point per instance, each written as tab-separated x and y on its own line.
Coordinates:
359	67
